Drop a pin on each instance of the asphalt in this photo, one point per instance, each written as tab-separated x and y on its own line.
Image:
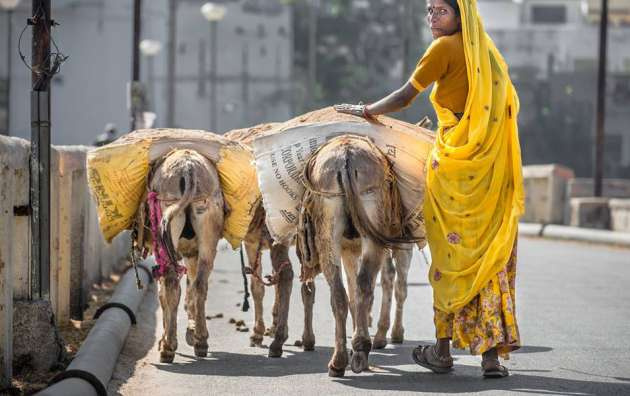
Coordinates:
572	307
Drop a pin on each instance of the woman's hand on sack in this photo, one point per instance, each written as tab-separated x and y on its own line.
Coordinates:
359	110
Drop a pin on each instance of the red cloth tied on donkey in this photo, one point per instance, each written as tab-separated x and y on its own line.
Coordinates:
160	251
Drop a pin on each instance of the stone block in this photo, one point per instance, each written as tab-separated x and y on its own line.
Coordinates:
37	344
545	193
620	214
590	212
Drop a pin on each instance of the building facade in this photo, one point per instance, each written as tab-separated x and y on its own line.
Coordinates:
253	58
552	49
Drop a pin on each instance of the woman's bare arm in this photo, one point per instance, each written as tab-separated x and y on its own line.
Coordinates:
396	101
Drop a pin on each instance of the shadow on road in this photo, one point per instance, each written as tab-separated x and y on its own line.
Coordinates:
385	374
468	379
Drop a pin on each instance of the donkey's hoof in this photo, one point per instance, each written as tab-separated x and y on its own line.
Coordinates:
308	345
335	372
201	351
379	343
359	362
270	332
255	340
398	336
398	340
275	352
190	336
167	357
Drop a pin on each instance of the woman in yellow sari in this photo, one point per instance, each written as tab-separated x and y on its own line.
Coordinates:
474	195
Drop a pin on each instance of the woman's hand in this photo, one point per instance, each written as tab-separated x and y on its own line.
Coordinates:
359	110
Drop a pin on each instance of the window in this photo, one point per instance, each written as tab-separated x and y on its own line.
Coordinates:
549	14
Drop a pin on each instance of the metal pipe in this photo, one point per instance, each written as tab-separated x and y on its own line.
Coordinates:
96	359
598	171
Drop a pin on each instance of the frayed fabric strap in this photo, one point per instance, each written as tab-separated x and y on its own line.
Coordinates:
159	249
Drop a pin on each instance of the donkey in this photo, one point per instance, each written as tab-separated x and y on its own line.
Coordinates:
351	213
185	212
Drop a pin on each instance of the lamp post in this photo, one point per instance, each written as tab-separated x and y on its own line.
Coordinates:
150	48
213	14
9	6
136	94
598	167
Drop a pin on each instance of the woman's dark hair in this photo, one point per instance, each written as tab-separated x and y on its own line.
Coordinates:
453	4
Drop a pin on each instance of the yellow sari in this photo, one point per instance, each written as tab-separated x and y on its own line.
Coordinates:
475	197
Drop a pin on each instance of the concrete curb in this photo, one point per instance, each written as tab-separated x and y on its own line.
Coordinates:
92	368
575	234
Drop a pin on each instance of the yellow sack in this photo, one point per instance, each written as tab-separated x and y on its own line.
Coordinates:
474	192
117	176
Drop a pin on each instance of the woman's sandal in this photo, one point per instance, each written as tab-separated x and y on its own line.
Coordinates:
491	368
427	357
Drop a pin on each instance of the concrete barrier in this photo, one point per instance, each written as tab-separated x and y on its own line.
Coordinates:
14	156
590	212
620	214
79	255
545	193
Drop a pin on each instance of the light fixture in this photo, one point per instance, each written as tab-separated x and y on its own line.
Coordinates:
9	5
150	47
213	12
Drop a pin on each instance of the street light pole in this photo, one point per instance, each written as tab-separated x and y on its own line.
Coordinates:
40	151
135	66
598	171
213	76
150	49
313	10
171	64
9	68
213	14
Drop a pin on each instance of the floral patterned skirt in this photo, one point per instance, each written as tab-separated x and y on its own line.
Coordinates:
488	320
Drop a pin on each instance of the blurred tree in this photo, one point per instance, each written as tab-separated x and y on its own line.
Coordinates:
364	49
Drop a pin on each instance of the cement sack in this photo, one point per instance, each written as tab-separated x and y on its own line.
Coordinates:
282	151
117	176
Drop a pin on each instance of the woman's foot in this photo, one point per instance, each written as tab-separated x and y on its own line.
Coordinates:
491	367
428	357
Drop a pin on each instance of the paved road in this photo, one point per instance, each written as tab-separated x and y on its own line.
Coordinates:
572	305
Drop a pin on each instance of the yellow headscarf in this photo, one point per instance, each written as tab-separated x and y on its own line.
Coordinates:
474	192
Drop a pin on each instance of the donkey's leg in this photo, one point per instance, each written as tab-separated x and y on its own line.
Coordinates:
208	224
350	257
271	331
339	304
308	299
329	230
169	292
258	293
282	266
189	305
388	272
372	256
402	259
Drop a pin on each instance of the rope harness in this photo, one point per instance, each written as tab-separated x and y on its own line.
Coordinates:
271	280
